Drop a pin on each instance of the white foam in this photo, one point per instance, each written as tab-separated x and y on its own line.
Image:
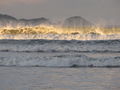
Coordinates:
51	61
62	37
59	53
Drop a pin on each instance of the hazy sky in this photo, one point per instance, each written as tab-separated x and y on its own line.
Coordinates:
99	11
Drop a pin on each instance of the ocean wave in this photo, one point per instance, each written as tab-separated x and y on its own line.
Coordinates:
59	53
67	51
61	36
59	46
59	33
60	61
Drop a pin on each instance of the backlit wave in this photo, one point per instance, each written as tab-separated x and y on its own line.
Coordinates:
59	33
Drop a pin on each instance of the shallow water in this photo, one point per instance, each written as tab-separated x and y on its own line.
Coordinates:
60	53
43	78
19	58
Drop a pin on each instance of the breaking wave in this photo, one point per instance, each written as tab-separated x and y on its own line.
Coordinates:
59	33
60	53
55	46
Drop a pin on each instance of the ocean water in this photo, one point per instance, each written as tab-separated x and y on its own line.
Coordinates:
40	64
60	53
44	78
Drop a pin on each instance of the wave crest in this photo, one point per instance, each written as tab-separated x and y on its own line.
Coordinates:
59	33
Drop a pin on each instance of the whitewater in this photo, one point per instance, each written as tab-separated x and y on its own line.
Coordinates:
54	46
60	53
54	58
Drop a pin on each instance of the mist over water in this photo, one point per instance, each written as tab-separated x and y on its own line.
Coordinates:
51	32
67	53
60	46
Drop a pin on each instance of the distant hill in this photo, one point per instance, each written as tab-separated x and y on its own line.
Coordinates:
34	22
6	19
9	20
76	22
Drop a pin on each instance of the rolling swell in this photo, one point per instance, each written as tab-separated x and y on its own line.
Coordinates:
60	53
97	46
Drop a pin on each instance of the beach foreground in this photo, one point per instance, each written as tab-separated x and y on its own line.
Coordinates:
43	78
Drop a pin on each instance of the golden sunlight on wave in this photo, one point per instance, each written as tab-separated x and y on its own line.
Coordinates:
58	33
